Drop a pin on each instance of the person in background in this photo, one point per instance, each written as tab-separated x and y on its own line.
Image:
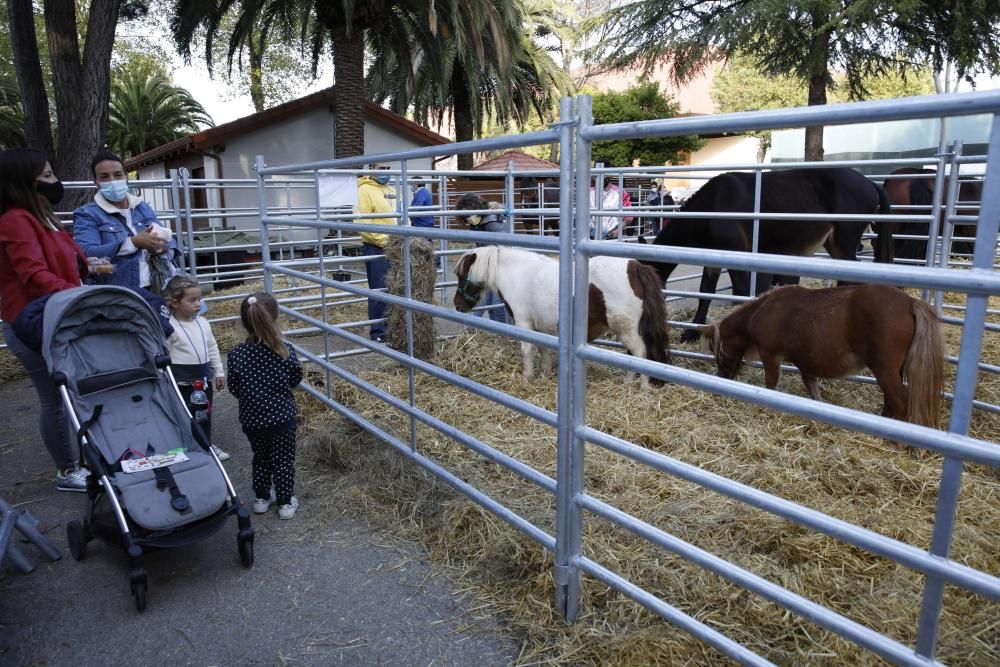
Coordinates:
124	228
422	197
372	199
263	371
38	258
659	196
605	226
194	354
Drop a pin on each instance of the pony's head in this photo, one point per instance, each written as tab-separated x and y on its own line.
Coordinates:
727	352
467	291
471	202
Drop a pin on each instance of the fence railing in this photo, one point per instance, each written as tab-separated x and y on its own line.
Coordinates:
977	280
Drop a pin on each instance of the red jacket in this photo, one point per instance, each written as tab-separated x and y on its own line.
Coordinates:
34	261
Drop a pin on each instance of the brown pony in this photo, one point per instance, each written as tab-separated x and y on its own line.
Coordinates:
920	192
838	331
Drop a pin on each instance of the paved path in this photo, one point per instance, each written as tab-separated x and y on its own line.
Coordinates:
343	595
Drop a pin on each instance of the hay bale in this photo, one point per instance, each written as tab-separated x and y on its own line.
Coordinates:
422	278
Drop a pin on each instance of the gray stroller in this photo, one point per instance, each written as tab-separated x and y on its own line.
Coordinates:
154	482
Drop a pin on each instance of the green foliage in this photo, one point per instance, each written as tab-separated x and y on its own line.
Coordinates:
805	38
641	102
148	110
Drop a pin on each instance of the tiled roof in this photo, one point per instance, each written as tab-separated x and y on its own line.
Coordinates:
522	162
213	136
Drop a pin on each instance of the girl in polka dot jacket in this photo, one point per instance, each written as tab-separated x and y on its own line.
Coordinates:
262	373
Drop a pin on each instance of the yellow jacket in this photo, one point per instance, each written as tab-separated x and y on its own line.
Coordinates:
371	199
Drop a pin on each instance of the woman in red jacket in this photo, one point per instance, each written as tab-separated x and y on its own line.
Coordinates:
37	258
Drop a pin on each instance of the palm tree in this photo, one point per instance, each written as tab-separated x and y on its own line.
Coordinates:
348	25
148	110
472	85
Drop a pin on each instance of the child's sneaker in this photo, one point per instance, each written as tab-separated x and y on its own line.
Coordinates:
261	505
72	479
288	511
223	456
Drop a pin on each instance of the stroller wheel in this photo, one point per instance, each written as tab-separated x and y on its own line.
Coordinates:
139	591
246	551
77	537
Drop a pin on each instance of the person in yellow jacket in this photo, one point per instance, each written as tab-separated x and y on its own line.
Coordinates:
372	199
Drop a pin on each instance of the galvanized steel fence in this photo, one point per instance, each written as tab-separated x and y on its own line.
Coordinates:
575	133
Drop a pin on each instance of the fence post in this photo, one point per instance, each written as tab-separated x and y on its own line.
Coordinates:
188	223
987	227
509	195
404	220
265	242
175	194
572	370
947	228
758	175
321	257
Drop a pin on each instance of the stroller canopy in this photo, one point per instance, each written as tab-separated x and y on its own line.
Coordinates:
96	330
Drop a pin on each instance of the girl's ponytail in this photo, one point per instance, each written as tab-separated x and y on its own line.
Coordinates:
259	314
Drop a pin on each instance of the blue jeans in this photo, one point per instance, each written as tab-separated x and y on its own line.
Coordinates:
52	421
376	270
497	314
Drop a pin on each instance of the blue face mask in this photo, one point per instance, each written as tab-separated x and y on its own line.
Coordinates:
114	191
382	180
203	309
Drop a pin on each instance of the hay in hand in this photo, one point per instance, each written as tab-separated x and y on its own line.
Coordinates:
423	275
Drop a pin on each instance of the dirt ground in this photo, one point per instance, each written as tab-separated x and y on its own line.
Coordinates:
341	595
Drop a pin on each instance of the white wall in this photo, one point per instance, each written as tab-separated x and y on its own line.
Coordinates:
306	138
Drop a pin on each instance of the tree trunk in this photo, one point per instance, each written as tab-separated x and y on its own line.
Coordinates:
82	86
818	79
464	125
27	64
349	91
257	72
814	134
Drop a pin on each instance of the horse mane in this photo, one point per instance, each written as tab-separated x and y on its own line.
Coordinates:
484	270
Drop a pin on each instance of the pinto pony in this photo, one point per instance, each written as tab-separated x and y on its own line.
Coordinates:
822	190
838	331
624	298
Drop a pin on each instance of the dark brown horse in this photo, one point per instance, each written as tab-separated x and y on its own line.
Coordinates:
920	192
838	331
824	190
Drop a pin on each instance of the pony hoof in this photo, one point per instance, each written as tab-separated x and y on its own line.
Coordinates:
689	335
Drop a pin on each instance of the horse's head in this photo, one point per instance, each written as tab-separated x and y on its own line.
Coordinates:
467	292
728	353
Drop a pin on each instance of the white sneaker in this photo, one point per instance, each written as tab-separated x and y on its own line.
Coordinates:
73	479
223	456
261	505
288	511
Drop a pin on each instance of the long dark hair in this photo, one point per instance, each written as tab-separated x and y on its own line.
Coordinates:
259	314
19	167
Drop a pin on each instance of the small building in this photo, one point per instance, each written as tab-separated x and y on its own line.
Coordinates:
291	133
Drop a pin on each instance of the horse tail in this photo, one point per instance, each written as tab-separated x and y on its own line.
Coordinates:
653	321
885	249
924	367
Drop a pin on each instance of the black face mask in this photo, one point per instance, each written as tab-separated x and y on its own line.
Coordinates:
51	191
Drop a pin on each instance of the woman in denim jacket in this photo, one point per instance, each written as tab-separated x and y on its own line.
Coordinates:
120	226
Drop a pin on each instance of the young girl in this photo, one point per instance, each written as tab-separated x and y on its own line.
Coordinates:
262	374
192	347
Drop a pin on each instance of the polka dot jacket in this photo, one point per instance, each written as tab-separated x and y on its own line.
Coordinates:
262	382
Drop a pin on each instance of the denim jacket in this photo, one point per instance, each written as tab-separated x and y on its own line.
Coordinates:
99	228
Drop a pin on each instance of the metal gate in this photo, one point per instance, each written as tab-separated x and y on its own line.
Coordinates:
575	133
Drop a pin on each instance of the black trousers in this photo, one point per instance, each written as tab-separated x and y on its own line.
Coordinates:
273	462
